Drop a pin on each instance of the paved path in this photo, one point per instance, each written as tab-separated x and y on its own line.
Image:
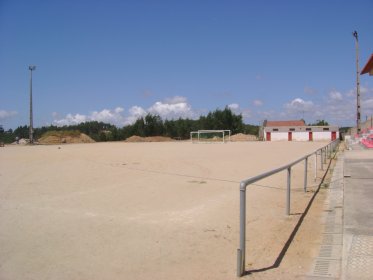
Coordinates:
346	250
357	257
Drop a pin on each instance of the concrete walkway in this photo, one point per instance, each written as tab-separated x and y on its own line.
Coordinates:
346	250
357	256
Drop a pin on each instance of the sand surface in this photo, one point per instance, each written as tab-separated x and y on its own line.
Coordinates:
152	211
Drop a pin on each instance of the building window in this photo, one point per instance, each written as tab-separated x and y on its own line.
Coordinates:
275	129
308	129
292	129
325	129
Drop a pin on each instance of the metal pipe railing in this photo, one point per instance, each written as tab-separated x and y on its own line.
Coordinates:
305	174
241	252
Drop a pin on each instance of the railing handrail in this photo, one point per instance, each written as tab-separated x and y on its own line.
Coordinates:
248	181
241	252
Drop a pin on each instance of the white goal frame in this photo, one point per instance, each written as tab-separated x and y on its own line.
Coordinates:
224	132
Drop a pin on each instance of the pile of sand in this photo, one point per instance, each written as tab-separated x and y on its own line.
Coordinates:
65	139
22	141
243	137
136	138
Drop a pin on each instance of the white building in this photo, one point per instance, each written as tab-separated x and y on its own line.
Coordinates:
297	131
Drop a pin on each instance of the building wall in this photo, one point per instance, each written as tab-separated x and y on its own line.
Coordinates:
323	135
278	136
301	136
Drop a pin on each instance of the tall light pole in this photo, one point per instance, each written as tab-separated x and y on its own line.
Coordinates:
31	68
358	113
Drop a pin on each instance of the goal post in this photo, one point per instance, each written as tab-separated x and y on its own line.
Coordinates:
210	136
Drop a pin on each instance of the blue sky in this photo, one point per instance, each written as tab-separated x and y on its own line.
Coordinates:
115	61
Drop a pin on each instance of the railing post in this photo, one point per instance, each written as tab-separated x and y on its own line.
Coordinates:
325	154
288	192
315	165
330	150
305	173
241	251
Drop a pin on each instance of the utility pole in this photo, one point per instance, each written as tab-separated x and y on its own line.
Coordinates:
358	112
31	68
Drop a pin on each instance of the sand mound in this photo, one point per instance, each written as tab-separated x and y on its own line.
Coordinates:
21	141
136	138
243	137
61	138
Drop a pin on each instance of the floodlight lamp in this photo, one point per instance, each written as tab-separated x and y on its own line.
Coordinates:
355	34
32	67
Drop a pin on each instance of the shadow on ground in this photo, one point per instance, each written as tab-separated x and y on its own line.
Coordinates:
282	253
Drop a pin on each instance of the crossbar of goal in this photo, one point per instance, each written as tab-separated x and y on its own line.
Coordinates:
224	132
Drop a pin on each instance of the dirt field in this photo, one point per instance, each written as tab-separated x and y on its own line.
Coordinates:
151	211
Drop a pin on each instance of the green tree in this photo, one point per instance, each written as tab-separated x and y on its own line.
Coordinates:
320	123
222	119
153	125
6	136
22	132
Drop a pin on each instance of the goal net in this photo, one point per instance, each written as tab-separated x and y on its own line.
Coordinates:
210	136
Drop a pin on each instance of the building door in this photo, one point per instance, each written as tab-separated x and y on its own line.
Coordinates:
310	136
334	135
268	136
290	136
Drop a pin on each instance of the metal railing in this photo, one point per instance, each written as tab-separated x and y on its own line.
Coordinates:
324	152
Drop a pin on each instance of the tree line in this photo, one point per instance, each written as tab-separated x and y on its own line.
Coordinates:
149	125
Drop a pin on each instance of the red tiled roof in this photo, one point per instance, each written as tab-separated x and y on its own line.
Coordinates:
368	67
285	123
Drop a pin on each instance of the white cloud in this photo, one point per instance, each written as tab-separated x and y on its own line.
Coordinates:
335	95
71	120
299	105
170	108
118	110
170	111
258	102
365	90
106	115
368	104
136	112
337	107
351	93
269	115
233	106
7	114
246	114
176	100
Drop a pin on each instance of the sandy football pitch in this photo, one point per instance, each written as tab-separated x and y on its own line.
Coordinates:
151	211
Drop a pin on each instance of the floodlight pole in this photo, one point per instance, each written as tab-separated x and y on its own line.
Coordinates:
31	68
358	113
